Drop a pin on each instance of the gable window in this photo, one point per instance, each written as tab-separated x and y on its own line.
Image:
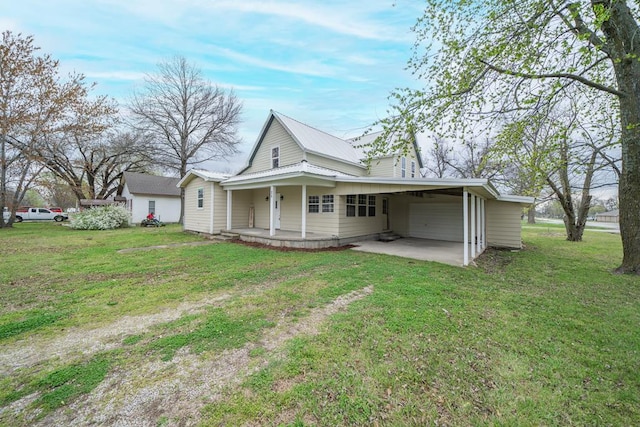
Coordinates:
363	204
314	204
275	157
404	167
413	169
351	204
152	207
200	198
327	203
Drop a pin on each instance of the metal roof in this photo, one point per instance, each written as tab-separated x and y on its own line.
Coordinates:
316	141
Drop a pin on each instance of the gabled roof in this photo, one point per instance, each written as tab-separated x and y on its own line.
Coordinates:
318	142
140	183
201	173
312	140
360	144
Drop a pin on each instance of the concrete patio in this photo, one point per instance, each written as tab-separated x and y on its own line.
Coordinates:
420	249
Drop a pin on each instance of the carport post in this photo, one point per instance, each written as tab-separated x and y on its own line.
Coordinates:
465	226
229	210
473	226
479	221
272	211
304	211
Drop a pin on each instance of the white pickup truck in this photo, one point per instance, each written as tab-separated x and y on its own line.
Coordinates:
40	214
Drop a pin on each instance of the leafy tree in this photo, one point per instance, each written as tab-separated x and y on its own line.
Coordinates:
190	120
485	59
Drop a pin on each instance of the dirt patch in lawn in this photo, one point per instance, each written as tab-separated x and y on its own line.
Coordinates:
33	350
175	391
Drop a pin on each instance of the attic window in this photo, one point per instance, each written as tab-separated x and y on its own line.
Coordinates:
404	167
413	169
275	157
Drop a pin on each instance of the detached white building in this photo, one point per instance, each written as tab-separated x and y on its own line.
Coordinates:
146	194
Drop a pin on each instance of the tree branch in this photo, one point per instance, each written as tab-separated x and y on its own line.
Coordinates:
569	76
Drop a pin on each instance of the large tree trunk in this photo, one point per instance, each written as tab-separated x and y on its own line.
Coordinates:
531	215
621	30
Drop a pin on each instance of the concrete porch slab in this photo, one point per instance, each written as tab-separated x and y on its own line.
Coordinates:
420	249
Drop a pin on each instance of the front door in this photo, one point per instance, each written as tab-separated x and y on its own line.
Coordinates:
385	214
276	211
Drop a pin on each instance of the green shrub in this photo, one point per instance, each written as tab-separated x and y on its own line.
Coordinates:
101	218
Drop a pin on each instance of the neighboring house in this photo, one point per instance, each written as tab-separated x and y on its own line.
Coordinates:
611	216
305	188
146	194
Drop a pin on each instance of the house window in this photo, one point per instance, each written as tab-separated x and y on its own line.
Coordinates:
152	207
413	169
275	157
327	203
385	206
200	198
372	205
403	167
314	204
363	204
351	205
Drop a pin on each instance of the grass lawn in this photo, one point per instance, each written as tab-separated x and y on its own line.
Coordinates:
544	336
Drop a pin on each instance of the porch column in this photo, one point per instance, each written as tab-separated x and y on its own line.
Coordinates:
229	210
484	224
473	226
480	225
465	226
211	205
304	211
272	211
478	242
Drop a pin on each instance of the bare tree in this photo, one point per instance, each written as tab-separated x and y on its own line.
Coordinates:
438	158
191	120
33	101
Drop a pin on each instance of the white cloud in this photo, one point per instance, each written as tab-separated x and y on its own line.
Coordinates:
336	17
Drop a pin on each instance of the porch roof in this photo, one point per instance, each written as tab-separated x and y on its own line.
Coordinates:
297	174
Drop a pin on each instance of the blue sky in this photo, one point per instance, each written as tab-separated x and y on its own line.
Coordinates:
330	64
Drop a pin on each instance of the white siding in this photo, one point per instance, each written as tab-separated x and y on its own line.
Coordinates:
325	162
383	168
360	225
437	221
503	224
276	135
323	222
241	204
219	207
197	219
167	208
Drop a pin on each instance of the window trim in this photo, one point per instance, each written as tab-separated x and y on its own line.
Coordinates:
328	203
315	202
200	198
362	205
276	158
